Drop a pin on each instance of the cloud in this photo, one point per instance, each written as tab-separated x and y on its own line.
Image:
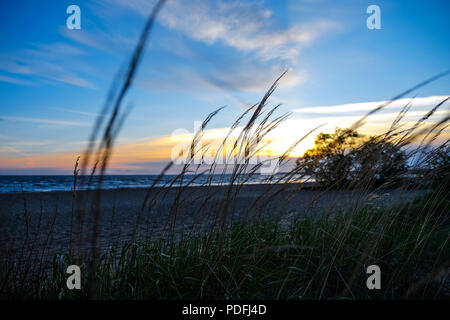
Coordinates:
150	155
84	113
54	50
100	40
47	121
85	38
14	65
245	26
44	63
244	77
259	45
254	79
15	80
416	103
61	75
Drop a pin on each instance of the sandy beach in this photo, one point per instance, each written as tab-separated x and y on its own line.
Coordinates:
45	219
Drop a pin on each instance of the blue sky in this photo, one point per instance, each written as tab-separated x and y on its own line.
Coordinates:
202	55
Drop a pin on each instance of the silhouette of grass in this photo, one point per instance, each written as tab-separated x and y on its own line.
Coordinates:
260	254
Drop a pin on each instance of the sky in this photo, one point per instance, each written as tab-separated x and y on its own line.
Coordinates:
202	55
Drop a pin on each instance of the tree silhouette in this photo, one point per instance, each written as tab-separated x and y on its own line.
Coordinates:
347	158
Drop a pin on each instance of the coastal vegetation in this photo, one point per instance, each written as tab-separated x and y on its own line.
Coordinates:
216	243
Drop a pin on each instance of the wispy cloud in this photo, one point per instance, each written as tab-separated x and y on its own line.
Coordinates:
14	147
54	50
45	62
15	80
46	121
99	39
416	103
254	79
84	113
151	155
245	26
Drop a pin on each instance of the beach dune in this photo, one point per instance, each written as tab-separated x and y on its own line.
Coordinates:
50	219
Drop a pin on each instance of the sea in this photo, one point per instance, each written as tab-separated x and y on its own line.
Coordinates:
37	183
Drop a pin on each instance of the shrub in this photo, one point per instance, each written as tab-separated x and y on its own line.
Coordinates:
347	158
437	166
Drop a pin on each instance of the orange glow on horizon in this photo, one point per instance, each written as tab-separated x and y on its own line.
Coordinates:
162	149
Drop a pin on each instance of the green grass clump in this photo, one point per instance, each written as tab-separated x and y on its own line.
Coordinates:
311	259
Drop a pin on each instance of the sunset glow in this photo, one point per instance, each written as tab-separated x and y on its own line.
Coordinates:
202	56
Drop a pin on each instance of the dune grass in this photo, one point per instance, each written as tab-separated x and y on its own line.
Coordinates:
310	259
261	257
